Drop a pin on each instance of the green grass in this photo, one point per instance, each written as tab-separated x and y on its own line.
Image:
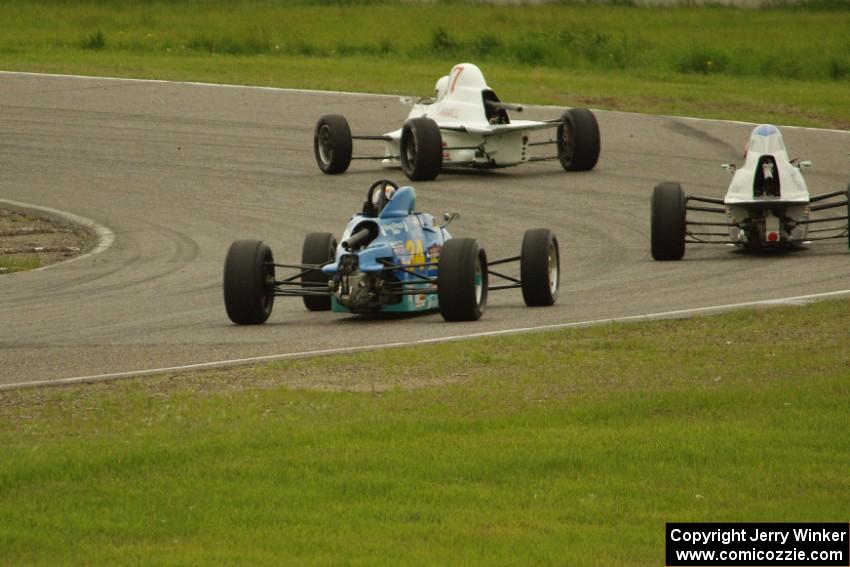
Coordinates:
785	64
565	448
18	263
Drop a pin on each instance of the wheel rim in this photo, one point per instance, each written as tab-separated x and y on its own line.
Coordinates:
326	152
268	285
479	282
553	262
567	141
410	151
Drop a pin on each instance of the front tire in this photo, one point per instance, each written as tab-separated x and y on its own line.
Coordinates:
319	249
540	267
332	144
421	149
462	280
668	222
249	282
578	140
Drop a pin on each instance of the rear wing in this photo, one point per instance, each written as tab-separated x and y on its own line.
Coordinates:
496	130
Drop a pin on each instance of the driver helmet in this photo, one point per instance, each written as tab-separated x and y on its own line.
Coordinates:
441	87
388	190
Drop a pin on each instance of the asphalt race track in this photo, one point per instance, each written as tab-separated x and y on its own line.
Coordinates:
179	171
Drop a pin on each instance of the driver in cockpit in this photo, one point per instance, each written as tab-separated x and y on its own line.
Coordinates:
378	198
379	203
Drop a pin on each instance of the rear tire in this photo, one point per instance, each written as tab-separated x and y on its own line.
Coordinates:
668	222
540	267
332	144
248	282
462	280
578	140
421	149
319	249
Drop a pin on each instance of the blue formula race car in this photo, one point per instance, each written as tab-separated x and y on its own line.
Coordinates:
391	260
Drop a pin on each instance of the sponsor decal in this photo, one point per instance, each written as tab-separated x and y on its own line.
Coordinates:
394	228
434	252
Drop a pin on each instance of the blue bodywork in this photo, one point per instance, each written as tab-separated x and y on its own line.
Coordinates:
361	280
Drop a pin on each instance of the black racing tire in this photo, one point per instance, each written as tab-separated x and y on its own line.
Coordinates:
319	249
332	144
540	267
421	149
668	222
578	140
248	282
462	280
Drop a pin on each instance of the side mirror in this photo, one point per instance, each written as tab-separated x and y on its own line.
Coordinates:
805	163
730	167
449	217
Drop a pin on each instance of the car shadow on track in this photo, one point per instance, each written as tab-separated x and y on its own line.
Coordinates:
720	253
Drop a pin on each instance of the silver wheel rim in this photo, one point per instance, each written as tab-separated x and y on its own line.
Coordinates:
410	151
567	141
268	284
479	282
553	262
326	152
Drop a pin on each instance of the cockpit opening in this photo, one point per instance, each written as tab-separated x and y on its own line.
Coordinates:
494	112
766	179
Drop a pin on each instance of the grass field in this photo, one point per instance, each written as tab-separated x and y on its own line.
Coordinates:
565	448
18	263
787	65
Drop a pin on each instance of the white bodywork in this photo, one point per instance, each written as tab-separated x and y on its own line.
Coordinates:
767	197
473	135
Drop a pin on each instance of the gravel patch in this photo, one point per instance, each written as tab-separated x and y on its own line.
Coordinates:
28	242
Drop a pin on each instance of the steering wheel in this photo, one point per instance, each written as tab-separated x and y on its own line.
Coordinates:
379	185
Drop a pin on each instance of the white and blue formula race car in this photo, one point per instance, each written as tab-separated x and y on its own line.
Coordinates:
391	259
767	206
464	125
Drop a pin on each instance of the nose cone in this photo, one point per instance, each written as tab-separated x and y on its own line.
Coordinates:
766	139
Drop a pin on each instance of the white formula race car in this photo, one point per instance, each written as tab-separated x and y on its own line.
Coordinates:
463	125
766	206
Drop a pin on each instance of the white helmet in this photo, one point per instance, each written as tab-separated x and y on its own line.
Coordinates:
441	87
